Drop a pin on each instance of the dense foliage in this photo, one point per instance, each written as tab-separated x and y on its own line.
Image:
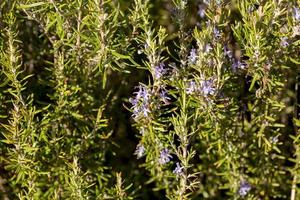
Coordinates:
140	99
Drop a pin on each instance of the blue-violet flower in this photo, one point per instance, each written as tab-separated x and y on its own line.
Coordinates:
201	10
192	87
164	156
217	33
164	97
160	71
141	104
207	48
228	52
238	65
244	188
193	56
140	150
207	87
178	170
296	13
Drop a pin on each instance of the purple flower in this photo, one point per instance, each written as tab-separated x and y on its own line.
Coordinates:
146	46
140	104
238	65
142	93
217	33
133	101
193	56
144	109
178	170
136	111
201	10
207	87
139	151
191	88
244	188
207	48
164	156
159	71
284	43
228	52
296	13
164	97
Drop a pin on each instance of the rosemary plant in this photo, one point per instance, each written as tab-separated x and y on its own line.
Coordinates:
164	99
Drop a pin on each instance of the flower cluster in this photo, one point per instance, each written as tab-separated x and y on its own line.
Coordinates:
140	151
201	10
141	103
163	95
164	156
192	87
217	33
296	13
206	88
238	65
207	48
193	56
178	170
228	52
244	188
160	71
